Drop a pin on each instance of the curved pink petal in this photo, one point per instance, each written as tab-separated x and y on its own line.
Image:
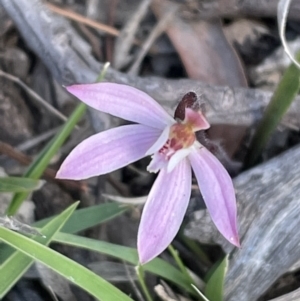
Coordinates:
196	119
161	141
164	211
218	192
123	101
108	151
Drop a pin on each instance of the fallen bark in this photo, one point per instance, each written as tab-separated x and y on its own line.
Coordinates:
69	59
237	8
269	219
292	296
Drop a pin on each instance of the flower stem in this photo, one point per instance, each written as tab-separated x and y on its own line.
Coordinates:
180	264
141	278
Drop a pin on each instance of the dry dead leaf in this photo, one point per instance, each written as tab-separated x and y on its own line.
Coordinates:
203	48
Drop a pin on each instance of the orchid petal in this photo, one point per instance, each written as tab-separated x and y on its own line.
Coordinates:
158	162
177	157
164	211
108	151
160	142
196	119
218	192
123	101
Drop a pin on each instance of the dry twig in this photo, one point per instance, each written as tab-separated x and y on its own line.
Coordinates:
126	37
155	33
81	19
38	99
68	58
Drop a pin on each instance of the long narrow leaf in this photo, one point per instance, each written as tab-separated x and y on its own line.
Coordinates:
80	220
281	100
18	184
71	270
89	217
85	218
17	264
157	266
215	284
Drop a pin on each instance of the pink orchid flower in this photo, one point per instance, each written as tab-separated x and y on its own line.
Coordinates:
175	152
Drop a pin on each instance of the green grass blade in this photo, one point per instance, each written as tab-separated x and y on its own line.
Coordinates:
80	220
157	266
71	270
5	252
18	184
36	169
85	218
281	100
215	285
17	264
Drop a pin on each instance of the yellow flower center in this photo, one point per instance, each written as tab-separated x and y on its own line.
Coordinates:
181	136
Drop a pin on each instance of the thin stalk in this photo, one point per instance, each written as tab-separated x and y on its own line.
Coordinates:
180	264
140	275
